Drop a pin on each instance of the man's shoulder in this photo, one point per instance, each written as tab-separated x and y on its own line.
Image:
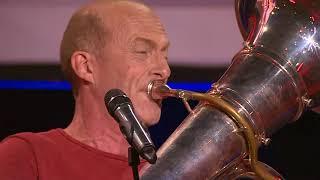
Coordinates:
17	155
30	139
33	136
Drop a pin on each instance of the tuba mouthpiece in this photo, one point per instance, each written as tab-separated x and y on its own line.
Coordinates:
158	90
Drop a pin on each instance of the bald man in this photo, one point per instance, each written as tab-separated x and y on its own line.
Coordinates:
106	45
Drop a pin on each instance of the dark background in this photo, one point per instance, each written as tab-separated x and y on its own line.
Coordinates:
293	150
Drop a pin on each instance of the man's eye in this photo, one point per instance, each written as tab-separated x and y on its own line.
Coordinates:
142	52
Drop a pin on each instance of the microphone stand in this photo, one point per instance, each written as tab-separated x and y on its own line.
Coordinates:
133	155
134	161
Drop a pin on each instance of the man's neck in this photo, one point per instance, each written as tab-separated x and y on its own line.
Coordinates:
97	130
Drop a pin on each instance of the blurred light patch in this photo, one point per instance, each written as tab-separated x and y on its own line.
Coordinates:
65	86
34	85
191	86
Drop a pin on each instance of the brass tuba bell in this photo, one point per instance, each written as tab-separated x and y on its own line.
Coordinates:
268	84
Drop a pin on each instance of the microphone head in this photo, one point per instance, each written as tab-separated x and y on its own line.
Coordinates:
149	153
115	98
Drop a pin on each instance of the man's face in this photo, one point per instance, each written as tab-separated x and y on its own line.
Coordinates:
136	56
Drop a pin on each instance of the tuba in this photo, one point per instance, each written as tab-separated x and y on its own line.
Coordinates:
269	83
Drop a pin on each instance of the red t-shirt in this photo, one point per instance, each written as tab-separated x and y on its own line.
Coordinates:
54	155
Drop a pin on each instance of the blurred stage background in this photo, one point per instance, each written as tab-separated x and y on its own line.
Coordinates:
204	37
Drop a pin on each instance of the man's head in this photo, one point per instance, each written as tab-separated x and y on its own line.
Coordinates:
116	44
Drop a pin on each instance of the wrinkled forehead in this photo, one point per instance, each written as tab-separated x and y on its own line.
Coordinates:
130	22
146	26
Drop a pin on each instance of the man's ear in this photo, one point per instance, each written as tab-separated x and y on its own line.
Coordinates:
82	65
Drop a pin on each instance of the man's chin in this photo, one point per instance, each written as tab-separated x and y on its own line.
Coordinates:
151	121
151	112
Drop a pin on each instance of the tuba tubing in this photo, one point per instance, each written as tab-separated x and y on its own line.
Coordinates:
159	90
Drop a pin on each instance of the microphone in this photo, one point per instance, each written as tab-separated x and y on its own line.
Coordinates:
120	108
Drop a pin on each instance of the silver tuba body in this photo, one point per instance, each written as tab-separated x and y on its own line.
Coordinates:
269	83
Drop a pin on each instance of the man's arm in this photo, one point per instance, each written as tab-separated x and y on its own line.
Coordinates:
17	160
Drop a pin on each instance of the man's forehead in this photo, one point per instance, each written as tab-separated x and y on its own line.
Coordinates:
145	25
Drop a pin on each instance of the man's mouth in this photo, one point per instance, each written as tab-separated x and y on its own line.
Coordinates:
156	101
153	94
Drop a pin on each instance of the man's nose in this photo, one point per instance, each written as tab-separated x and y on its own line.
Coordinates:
162	70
